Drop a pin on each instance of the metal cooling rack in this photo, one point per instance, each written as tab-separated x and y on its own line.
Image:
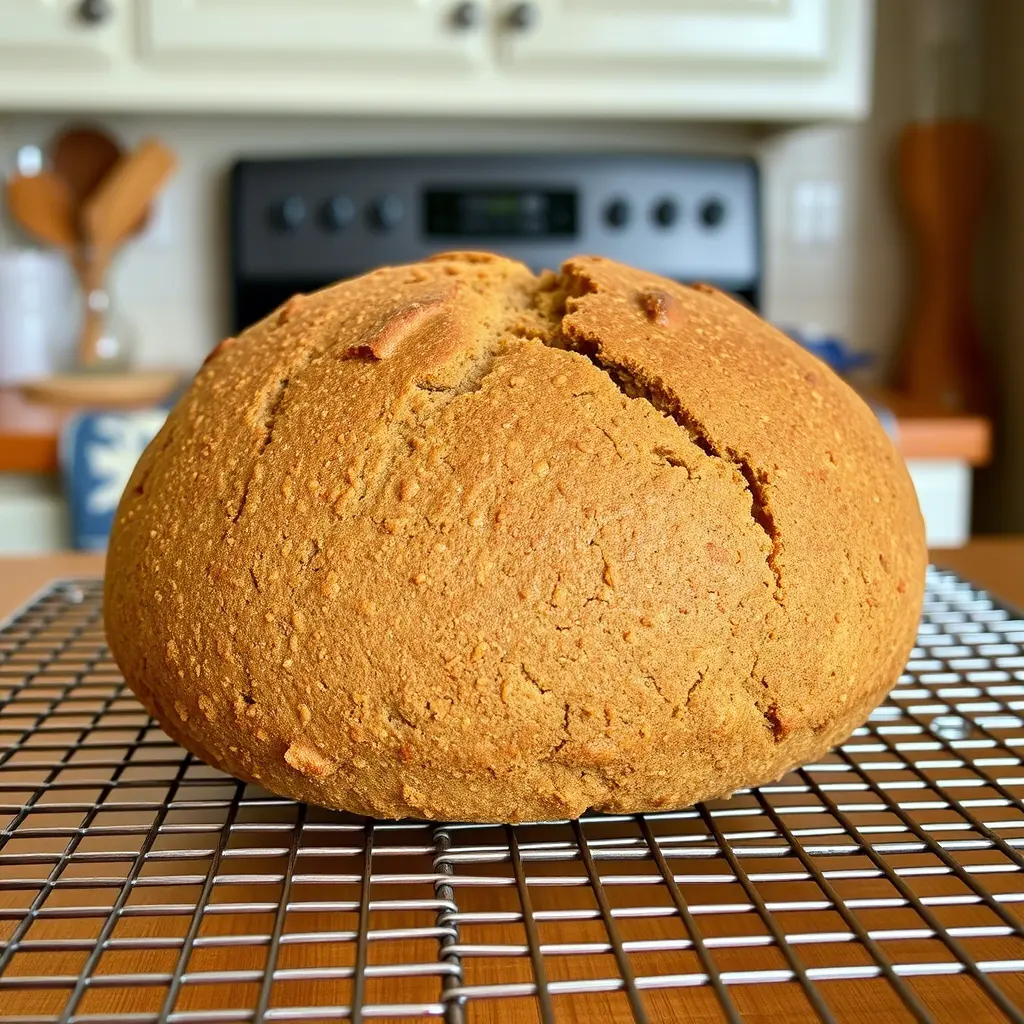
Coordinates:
885	882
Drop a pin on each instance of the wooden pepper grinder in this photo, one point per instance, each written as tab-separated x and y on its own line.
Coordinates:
944	163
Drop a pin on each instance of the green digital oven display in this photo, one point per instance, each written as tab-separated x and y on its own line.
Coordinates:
500	213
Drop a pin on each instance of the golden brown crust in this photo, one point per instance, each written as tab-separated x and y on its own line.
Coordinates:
454	541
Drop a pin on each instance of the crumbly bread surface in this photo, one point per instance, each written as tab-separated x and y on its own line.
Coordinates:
456	541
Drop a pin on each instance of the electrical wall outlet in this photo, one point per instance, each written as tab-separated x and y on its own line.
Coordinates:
816	212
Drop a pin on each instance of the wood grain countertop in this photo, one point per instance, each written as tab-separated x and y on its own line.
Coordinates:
148	940
29	433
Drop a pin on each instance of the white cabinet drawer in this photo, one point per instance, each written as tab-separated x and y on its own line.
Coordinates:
741	58
672	35
374	36
38	35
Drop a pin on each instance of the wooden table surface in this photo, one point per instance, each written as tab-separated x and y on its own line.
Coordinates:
996	563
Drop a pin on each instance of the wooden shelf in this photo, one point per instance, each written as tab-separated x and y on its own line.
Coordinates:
30	430
927	433
29	433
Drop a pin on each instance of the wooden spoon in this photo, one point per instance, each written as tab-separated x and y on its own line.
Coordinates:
111	213
108	219
84	157
43	206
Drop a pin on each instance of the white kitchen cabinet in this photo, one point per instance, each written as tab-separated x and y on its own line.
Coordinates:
720	56
41	36
668	36
753	60
273	35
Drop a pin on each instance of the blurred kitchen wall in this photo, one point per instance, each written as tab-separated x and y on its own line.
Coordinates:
176	281
852	282
834	248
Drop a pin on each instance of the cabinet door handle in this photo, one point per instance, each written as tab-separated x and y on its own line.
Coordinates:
93	12
466	15
523	17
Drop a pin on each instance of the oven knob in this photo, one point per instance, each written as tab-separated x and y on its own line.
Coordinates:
522	17
386	212
288	214
93	12
666	213
712	212
466	15
616	213
337	213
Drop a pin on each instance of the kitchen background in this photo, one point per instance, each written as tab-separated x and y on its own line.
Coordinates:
838	256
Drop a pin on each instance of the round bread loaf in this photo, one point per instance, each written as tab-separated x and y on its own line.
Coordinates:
456	541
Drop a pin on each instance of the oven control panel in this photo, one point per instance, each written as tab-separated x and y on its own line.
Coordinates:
300	223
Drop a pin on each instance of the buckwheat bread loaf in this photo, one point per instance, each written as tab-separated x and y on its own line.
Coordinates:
456	541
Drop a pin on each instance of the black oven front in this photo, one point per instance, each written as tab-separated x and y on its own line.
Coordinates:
299	224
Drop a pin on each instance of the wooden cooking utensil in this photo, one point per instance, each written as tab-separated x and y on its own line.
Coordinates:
83	157
43	206
91	266
944	168
125	194
108	218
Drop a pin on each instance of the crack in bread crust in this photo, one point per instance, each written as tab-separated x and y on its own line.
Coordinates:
633	383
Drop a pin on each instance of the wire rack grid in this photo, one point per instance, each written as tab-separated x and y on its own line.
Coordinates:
139	885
